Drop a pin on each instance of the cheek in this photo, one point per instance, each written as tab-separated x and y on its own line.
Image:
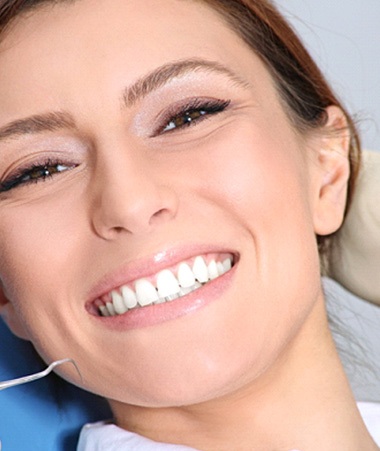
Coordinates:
251	173
254	180
261	184
40	260
37	248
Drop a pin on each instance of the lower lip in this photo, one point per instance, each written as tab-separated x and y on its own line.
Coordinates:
161	313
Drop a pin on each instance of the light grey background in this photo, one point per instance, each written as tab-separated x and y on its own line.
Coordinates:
356	328
344	38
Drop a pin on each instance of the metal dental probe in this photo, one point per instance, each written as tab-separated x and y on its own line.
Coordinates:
36	376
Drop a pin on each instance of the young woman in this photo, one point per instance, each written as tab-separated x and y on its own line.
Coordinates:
171	172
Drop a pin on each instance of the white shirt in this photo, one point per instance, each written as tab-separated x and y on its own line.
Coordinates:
108	437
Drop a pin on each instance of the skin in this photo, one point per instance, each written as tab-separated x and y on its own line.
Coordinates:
256	368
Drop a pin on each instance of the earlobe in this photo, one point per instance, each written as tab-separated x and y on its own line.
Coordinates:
11	318
334	170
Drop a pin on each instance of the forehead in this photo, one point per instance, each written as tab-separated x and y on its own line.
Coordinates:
143	29
74	45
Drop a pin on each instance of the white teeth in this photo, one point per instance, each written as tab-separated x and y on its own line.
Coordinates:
167	284
212	270
185	275
195	286
111	308
129	296
169	287
145	292
172	297
118	303
186	290
160	301
200	270
103	310
227	264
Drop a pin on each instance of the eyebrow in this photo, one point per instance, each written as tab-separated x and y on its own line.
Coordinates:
58	120
38	123
168	72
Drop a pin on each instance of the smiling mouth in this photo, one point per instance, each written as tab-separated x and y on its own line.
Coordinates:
165	286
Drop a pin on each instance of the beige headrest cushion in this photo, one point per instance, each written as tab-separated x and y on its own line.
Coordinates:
356	260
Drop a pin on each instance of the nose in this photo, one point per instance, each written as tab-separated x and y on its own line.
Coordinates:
130	197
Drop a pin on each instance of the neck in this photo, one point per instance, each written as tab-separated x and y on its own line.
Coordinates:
304	402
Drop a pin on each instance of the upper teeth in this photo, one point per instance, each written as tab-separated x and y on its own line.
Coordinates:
169	286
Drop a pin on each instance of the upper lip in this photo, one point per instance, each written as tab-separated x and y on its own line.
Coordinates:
147	266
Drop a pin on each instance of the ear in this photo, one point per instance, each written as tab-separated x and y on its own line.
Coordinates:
10	316
333	173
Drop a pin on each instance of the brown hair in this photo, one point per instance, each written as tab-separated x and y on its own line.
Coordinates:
301	85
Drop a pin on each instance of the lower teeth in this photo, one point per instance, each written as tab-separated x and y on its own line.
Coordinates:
172	297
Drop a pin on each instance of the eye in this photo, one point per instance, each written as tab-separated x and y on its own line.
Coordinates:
193	112
34	173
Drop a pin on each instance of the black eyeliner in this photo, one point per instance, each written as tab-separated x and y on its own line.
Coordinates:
20	177
210	107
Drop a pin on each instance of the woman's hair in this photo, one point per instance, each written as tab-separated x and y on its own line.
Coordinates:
303	89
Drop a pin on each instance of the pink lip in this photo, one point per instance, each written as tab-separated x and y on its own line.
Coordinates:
147	267
156	314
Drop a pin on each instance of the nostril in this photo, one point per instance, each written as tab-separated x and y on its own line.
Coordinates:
160	212
118	229
163	213
135	211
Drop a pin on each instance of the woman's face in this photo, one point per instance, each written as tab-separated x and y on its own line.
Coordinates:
135	138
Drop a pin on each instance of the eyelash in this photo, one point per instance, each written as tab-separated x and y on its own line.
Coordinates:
195	111
35	173
188	115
